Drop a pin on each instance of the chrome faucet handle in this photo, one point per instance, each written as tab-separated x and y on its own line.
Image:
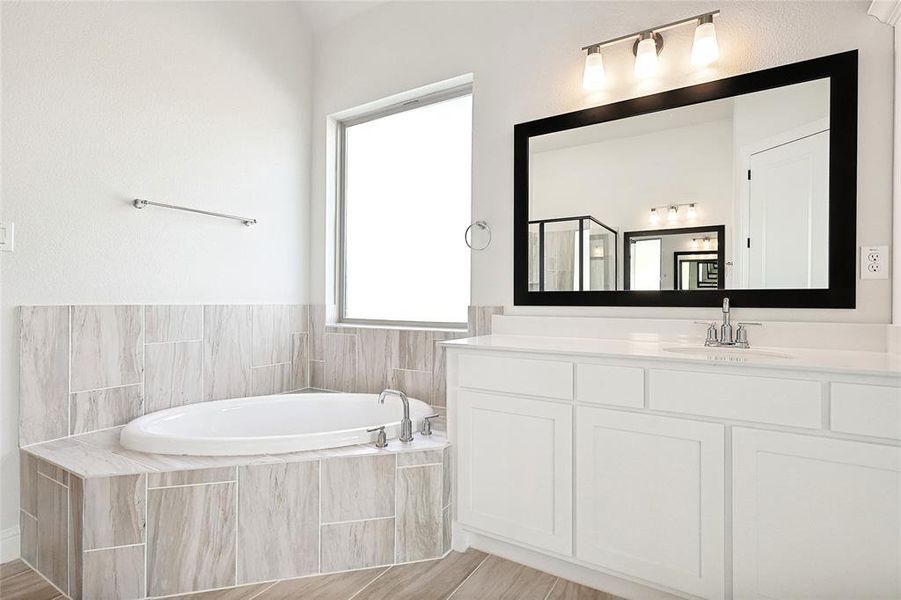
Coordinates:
382	439
741	334
427	424
712	336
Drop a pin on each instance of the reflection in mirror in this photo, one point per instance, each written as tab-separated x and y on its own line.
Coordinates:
751	170
674	259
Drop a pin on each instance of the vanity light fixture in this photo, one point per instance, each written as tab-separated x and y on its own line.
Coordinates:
706	243
647	44
691	213
672	213
593	75
704	50
694	243
654	218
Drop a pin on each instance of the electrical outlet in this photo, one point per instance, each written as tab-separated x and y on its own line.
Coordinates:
874	262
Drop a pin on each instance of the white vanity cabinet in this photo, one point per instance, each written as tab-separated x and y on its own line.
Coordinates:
690	478
649	498
815	518
515	472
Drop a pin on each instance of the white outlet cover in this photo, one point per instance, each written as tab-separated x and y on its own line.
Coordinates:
874	262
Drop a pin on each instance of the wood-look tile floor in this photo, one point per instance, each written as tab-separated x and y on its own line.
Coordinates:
470	575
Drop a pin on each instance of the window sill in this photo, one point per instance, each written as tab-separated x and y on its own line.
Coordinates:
398	326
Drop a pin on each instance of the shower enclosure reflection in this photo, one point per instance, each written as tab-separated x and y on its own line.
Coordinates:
572	254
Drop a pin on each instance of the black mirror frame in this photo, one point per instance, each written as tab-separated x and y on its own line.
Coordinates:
841	69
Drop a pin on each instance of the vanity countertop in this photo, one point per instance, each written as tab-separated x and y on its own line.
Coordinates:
793	359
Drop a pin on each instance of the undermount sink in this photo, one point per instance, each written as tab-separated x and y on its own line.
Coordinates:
726	353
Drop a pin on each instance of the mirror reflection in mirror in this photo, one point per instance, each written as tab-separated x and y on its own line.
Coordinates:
752	169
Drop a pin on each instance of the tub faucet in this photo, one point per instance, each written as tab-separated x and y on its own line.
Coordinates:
406	425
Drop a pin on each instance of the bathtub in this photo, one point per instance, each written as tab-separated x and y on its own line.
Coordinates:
269	424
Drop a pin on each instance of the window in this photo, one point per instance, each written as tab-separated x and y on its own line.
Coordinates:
405	203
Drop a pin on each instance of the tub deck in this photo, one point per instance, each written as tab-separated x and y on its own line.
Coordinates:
99	454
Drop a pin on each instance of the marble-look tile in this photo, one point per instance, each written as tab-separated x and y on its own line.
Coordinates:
426	579
244	592
505	580
419	516
415	384
54	472
300	361
446	530
172	478
439	370
114	573
278	521
107	346
76	536
43	373
447	486
317	330
173	323
300	318
114	511
87	460
100	409
190	538
377	355
271	334
53	543
271	379
28	483
173	375
338	586
358	488
226	351
423	457
357	545
28	533
480	319
340	363
317	374
416	349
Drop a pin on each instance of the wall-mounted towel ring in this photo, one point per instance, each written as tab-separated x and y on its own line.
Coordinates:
484	226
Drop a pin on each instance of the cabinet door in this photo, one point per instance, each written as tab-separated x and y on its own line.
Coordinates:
815	517
516	468
650	498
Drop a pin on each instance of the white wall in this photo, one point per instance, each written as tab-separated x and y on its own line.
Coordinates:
526	64
205	104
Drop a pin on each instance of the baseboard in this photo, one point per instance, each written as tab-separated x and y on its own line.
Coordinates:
565	569
9	544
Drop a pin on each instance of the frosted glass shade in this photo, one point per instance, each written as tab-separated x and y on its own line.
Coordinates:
646	58
593	75
705	49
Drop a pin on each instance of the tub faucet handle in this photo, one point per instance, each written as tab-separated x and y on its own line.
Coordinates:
382	439
427	424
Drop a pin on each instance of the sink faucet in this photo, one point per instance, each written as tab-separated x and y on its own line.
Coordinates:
406	425
726	336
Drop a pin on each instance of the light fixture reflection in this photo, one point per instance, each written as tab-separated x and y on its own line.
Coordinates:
593	75
646	56
705	49
673	213
653	218
692	213
694	243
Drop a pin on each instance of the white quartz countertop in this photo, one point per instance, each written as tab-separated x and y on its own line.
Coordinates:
804	359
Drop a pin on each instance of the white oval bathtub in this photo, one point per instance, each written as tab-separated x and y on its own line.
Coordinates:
269	424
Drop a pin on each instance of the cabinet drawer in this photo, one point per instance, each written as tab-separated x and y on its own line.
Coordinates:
604	384
866	409
792	402
549	378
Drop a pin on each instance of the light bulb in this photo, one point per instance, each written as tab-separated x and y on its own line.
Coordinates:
653	218
692	213
593	75
672	214
705	49
646	56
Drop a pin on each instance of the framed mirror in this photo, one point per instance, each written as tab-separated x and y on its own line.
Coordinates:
742	187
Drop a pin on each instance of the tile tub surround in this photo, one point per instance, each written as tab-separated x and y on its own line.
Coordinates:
89	368
112	523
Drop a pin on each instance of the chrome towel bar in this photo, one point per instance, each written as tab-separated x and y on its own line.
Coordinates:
138	203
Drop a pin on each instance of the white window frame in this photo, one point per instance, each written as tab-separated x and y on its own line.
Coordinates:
341	269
